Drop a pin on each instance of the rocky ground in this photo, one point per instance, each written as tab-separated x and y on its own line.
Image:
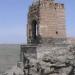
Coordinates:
54	60
51	60
59	60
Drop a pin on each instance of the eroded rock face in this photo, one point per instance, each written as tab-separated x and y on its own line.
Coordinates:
57	60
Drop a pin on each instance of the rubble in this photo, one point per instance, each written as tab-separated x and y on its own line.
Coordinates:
60	60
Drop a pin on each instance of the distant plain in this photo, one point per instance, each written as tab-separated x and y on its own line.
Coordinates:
9	56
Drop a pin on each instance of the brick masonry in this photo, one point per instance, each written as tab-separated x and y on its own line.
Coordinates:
50	19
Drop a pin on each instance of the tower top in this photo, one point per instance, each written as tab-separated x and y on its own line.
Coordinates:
35	1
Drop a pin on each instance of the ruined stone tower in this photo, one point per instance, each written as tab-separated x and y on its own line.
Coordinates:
45	28
46	40
46	20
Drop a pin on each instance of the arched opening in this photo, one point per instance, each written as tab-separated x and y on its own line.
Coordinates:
34	29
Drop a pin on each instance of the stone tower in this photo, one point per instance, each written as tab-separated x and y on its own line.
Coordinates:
45	29
47	49
46	20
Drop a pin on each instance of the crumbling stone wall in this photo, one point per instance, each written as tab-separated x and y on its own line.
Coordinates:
56	60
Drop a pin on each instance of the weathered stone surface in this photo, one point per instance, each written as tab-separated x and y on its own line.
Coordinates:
61	59
58	59
49	20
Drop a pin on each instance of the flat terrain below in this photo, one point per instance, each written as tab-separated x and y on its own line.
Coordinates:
9	55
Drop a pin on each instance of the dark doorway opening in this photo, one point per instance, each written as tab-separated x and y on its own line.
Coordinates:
34	30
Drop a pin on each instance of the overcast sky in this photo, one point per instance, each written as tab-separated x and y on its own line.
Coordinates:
13	20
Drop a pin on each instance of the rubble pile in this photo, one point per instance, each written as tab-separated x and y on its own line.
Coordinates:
59	61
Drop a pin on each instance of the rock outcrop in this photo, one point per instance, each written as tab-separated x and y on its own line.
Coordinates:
57	60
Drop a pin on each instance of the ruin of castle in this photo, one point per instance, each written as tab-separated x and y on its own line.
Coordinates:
47	39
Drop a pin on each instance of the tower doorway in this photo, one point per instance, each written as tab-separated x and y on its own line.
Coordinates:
34	30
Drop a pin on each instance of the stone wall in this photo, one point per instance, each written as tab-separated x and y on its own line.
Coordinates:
55	59
50	20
